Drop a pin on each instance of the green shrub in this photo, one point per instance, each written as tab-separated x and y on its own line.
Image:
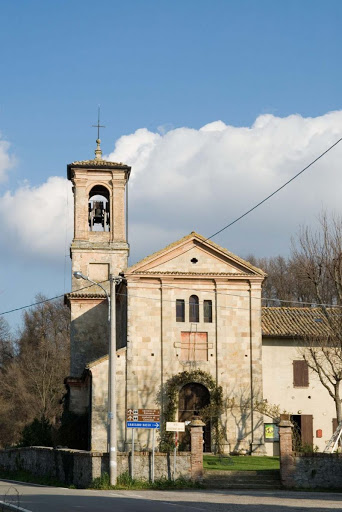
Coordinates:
37	433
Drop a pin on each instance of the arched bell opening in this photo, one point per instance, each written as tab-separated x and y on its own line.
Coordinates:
99	209
192	398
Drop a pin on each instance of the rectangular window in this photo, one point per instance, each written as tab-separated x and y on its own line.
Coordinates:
300	374
208	311
194	346
180	310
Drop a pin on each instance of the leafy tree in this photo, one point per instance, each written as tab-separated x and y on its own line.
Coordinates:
37	433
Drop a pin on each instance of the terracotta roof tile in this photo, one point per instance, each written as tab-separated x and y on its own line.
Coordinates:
97	163
296	322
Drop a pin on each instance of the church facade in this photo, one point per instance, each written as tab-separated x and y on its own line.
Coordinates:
191	309
188	328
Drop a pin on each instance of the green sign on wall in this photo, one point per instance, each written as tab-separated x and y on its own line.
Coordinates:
271	432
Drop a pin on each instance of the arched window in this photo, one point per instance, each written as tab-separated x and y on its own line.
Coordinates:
98	209
193	309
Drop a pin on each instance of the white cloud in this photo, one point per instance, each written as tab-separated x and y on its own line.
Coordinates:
202	179
187	179
7	161
38	220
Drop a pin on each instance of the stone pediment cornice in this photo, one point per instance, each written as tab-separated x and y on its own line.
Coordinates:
183	246
194	274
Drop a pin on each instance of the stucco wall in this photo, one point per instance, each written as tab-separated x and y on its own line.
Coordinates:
277	357
99	398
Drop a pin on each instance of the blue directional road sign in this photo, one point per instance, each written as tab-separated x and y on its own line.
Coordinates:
143	424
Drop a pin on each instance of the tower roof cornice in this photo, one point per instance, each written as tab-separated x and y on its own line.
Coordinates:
96	164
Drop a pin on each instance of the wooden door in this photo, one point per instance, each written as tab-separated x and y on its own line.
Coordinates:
192	398
306	428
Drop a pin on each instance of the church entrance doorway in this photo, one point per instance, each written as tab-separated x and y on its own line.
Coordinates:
192	398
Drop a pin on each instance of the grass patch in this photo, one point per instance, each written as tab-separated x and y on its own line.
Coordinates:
240	463
26	476
125	482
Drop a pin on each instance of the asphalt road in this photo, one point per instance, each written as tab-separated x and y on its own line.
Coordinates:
32	498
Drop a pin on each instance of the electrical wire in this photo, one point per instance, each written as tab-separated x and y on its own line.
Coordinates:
313	304
260	202
43	301
215	234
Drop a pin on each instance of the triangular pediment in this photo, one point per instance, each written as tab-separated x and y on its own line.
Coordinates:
193	255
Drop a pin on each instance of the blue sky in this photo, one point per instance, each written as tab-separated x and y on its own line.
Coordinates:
162	67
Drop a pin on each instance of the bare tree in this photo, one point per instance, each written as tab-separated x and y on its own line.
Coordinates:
6	343
32	381
319	257
285	285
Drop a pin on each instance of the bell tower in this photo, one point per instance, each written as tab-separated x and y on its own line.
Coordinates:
99	248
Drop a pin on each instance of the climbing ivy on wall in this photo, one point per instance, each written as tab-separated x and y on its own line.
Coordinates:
211	412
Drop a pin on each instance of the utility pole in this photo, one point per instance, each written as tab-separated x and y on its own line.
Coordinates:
111	432
112	428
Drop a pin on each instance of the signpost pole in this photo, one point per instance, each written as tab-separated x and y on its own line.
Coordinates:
174	456
153	441
132	458
143	418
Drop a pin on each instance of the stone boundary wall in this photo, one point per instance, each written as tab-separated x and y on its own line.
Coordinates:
307	470
79	468
316	471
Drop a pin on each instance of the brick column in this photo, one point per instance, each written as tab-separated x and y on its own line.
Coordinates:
287	459
196	433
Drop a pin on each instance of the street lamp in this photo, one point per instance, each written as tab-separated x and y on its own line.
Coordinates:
112	441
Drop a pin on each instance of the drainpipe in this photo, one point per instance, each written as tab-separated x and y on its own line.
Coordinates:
251	361
127	211
161	349
216	334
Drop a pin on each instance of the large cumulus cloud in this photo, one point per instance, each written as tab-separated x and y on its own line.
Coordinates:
188	179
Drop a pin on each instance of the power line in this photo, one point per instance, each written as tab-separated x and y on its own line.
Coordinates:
31	305
260	202
216	233
314	304
43	301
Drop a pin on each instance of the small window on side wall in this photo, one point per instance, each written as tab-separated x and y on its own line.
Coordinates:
193	309
180	310
208	311
300	374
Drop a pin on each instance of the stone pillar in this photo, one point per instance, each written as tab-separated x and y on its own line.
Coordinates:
196	434
287	458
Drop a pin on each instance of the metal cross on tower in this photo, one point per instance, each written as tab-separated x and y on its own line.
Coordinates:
98	151
98	125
